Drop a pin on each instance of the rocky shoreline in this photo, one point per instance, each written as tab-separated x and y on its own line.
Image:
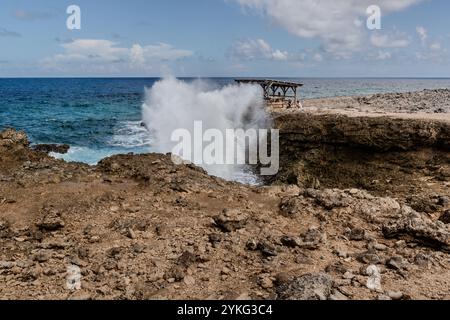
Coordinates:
360	210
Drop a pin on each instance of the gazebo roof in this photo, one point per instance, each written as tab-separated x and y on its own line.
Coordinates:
271	82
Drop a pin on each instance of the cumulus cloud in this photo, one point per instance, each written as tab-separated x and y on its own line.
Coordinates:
390	40
337	23
251	49
102	54
432	49
423	34
383	55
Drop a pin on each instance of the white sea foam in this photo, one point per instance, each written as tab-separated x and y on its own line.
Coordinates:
174	104
131	134
84	154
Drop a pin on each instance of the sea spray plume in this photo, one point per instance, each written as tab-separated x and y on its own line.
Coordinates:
172	104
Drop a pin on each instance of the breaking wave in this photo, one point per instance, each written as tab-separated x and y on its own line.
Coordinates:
173	104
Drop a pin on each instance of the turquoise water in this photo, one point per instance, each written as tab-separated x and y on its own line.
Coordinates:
101	117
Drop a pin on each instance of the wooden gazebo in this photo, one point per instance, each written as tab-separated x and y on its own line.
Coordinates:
278	93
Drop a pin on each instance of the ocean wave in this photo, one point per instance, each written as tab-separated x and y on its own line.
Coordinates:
131	134
84	154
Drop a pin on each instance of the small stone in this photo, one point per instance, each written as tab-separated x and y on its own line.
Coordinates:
42	256
443	201
357	234
189	280
422	260
243	297
396	263
348	275
7	264
368	258
384	297
252	245
340	253
380	247
281	278
306	287
230	220
225	270
267	249
131	234
338	296
445	217
290	242
266	283
51	225
374	280
395	295
80	297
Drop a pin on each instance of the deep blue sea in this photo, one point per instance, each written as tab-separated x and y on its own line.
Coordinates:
101	117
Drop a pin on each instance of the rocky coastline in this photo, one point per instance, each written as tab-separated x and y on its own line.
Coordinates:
359	210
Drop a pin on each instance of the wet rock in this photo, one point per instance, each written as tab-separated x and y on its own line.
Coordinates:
307	287
55	148
231	220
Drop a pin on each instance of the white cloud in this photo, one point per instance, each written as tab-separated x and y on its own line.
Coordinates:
390	40
318	57
336	23
383	55
102	54
423	34
251	49
436	46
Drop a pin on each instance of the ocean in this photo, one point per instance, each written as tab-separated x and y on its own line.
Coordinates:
101	117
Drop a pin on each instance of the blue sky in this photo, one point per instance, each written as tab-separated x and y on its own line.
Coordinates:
287	38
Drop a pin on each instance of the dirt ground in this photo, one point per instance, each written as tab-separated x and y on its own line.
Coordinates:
362	223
